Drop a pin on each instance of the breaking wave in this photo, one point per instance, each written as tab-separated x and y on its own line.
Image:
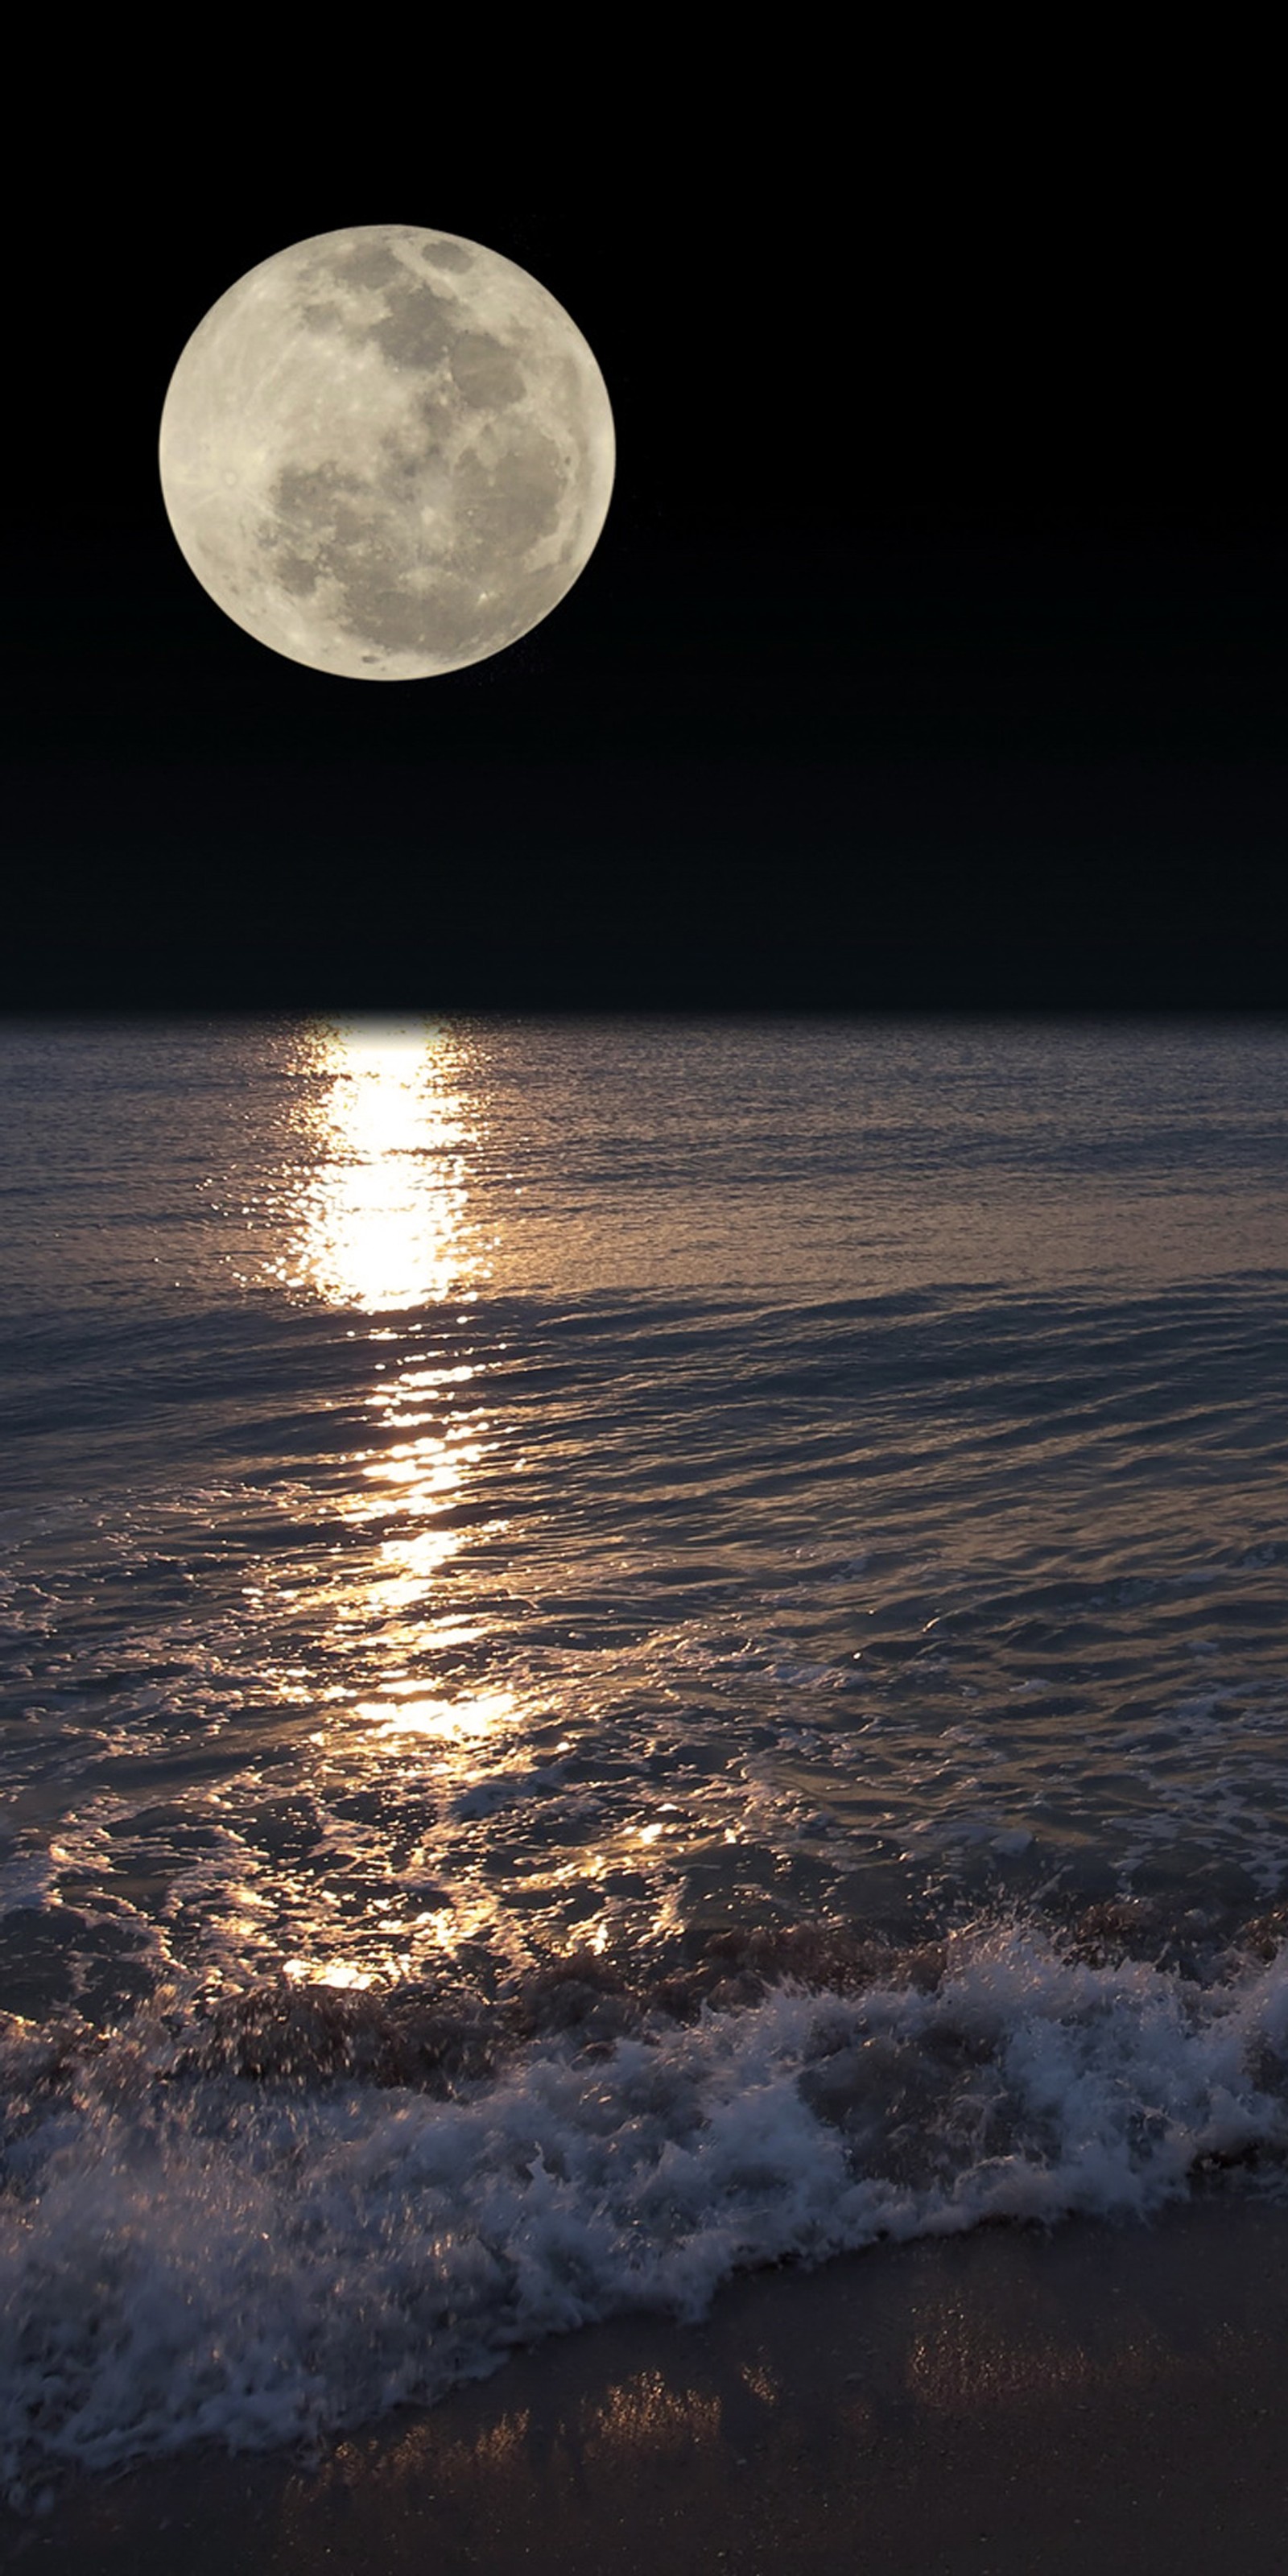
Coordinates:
259	2223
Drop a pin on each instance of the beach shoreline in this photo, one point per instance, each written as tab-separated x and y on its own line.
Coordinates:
1004	2403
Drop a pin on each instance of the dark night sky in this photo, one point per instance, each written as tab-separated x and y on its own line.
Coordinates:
931	656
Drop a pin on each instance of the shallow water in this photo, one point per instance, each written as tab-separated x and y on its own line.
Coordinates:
786	1518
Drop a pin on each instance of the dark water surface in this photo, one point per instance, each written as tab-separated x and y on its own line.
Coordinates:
628	1648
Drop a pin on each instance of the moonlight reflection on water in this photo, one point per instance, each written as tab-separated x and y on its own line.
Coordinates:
383	1231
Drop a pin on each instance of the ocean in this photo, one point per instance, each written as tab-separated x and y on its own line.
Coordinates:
630	1650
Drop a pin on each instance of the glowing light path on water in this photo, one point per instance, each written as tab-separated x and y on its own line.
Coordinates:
385	1232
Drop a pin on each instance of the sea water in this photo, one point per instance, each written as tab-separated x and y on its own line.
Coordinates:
629	1649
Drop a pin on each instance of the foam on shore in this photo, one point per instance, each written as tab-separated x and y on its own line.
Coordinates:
191	2253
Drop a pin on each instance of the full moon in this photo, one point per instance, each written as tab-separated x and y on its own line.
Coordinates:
387	453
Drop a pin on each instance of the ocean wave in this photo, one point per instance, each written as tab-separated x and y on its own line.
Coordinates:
261	2223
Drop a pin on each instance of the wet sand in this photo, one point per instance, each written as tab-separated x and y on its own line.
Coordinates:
1003	2404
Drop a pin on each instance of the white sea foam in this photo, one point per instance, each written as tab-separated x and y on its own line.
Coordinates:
203	2258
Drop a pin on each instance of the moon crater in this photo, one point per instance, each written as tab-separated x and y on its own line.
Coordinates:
382	476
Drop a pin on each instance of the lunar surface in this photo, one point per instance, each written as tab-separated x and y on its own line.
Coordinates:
386	452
